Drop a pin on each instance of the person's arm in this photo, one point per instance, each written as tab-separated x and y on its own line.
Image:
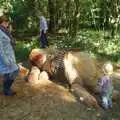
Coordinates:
100	83
3	52
45	27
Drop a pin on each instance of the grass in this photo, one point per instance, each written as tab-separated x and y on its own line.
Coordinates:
93	42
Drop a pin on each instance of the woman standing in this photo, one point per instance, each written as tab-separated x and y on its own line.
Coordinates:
8	65
43	28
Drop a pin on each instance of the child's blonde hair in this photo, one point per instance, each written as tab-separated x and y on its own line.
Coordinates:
108	68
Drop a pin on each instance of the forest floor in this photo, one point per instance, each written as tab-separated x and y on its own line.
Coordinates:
49	101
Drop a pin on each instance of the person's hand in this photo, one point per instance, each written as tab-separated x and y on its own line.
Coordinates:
23	69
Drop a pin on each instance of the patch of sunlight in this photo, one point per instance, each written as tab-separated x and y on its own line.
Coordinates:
27	45
97	44
62	31
111	49
1	12
78	15
30	22
69	98
92	55
66	95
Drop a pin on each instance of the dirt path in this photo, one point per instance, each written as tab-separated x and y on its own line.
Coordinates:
48	101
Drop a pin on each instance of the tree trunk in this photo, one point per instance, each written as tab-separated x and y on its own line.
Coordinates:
52	21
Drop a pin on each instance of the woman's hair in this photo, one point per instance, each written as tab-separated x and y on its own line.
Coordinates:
4	18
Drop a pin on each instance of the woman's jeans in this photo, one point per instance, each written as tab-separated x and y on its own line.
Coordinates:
7	83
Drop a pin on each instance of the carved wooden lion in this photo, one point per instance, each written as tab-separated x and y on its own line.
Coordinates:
75	68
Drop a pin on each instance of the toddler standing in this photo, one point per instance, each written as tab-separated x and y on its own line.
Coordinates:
106	86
